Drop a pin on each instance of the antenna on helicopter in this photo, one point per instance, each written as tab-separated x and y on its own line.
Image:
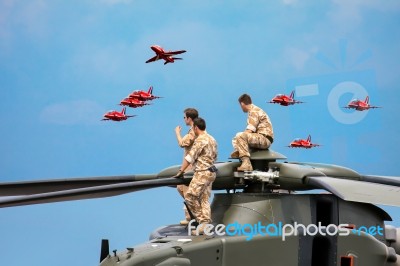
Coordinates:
105	249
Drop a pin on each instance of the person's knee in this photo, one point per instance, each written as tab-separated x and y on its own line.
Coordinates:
190	198
242	136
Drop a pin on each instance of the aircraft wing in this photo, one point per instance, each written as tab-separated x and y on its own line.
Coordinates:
170	53
155	58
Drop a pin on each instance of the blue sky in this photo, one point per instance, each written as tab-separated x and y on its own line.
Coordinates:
63	64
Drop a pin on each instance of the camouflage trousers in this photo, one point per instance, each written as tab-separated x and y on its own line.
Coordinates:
243	141
182	189
198	194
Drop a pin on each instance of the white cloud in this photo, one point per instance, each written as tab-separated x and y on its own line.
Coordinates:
296	57
32	17
72	113
5	16
105	62
348	14
26	17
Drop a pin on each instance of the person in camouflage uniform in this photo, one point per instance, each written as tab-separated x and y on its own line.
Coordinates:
258	134
186	142
202	156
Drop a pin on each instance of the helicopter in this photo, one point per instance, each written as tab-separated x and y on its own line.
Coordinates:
267	220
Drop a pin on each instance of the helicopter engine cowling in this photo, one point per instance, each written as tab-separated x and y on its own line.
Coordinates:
392	236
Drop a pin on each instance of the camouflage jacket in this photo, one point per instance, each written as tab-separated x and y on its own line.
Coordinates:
187	141
203	153
258	121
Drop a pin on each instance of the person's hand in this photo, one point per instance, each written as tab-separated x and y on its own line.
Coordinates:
179	174
178	130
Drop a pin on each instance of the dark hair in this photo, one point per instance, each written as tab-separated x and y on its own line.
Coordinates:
191	112
200	123
245	98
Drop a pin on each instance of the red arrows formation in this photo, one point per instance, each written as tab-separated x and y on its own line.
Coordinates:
286	100
140	98
136	99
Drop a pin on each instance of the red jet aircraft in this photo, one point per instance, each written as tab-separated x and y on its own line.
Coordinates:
165	55
143	95
116	116
284	99
133	102
303	143
360	105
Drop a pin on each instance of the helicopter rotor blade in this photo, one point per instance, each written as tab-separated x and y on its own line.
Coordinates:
385	180
52	185
359	191
90	192
341	181
56	190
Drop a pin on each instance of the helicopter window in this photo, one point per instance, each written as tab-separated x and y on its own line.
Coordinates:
324	212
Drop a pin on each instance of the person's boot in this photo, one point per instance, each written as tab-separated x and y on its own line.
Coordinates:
187	217
199	229
184	222
246	165
235	155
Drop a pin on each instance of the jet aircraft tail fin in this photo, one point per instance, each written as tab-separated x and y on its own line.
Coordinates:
292	95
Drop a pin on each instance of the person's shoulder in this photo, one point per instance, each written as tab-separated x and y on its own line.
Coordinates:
200	138
258	109
211	138
255	109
